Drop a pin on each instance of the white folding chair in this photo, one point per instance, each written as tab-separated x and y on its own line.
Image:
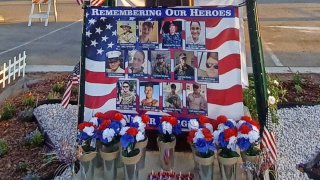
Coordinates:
43	15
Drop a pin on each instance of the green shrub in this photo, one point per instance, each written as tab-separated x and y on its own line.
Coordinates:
29	100
8	111
35	138
53	95
59	87
4	148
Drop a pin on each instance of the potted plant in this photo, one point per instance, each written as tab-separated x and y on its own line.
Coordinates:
141	122
87	149
130	154
204	148
168	128
226	138
248	139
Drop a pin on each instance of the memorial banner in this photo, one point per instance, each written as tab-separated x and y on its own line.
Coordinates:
163	61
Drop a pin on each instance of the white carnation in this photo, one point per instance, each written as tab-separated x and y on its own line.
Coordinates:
232	143
193	124
94	120
239	123
198	135
167	127
141	127
123	122
108	134
216	135
140	136
253	136
209	126
123	130
89	130
137	119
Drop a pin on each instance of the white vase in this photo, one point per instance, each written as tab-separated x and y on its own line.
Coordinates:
228	167
205	167
131	171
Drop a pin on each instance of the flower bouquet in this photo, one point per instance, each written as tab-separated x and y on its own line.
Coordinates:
226	138
130	155
204	147
141	122
168	128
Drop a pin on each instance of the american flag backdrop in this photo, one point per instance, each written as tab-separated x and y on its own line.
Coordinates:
222	36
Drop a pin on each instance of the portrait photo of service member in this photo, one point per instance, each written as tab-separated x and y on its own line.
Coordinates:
126	92
161	66
196	98
173	95
114	63
183	69
149	93
148	31
126	31
195	31
138	62
171	37
208	70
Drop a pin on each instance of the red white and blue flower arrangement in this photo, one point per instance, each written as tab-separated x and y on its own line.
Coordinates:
226	137
168	128
203	142
248	135
87	135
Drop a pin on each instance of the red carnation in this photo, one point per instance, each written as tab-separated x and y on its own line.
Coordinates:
132	131
246	118
165	118
145	118
222	119
203	119
229	133
244	129
85	124
214	124
207	134
118	116
100	115
173	121
105	123
191	135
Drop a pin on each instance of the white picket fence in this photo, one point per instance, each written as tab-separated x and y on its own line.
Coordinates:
9	72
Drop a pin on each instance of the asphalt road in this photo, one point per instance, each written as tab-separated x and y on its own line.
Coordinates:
290	33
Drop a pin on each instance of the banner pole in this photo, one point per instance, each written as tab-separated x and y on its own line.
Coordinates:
82	66
257	59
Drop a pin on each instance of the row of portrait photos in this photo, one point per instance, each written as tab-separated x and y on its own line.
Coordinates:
186	65
169	34
165	96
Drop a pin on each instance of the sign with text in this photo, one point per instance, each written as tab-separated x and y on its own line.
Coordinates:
163	61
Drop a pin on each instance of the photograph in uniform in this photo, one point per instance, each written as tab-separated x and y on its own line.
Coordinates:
172	93
148	32
171	34
138	63
160	64
184	65
195	33
126	94
115	64
208	68
196	98
149	96
126	31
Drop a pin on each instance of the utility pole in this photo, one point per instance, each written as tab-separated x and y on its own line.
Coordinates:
257	62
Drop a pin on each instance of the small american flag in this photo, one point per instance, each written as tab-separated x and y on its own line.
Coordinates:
73	79
92	2
269	142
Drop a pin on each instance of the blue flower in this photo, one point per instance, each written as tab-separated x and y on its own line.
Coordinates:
201	145
116	126
83	136
221	140
126	140
134	124
99	120
229	124
211	146
176	129
243	143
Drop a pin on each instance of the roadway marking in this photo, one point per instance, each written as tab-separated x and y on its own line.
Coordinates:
308	28
40	37
274	58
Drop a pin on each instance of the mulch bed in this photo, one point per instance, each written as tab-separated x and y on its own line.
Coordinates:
14	130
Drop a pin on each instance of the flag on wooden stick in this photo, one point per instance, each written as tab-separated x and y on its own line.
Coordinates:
269	142
73	79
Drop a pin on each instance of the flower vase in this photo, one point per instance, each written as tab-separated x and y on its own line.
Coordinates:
131	171
205	167
109	156
166	154
228	167
119	160
253	160
87	165
193	150
142	146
